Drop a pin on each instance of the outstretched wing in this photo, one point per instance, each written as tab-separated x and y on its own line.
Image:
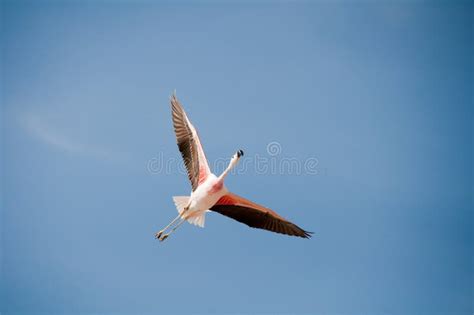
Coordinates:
256	216
189	145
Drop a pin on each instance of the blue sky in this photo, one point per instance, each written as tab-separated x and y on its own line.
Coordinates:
380	95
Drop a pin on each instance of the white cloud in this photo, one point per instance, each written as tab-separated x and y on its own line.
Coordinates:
52	136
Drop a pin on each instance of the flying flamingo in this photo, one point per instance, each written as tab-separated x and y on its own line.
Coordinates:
208	190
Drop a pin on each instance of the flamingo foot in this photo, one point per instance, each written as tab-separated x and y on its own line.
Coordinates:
158	234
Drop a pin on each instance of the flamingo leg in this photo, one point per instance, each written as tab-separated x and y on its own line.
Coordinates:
158	234
165	236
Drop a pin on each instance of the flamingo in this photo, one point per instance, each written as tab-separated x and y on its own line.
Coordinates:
209	192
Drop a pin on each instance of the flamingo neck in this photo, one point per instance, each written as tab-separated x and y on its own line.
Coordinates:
232	164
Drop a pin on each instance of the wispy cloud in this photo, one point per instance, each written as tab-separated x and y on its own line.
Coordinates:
47	133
